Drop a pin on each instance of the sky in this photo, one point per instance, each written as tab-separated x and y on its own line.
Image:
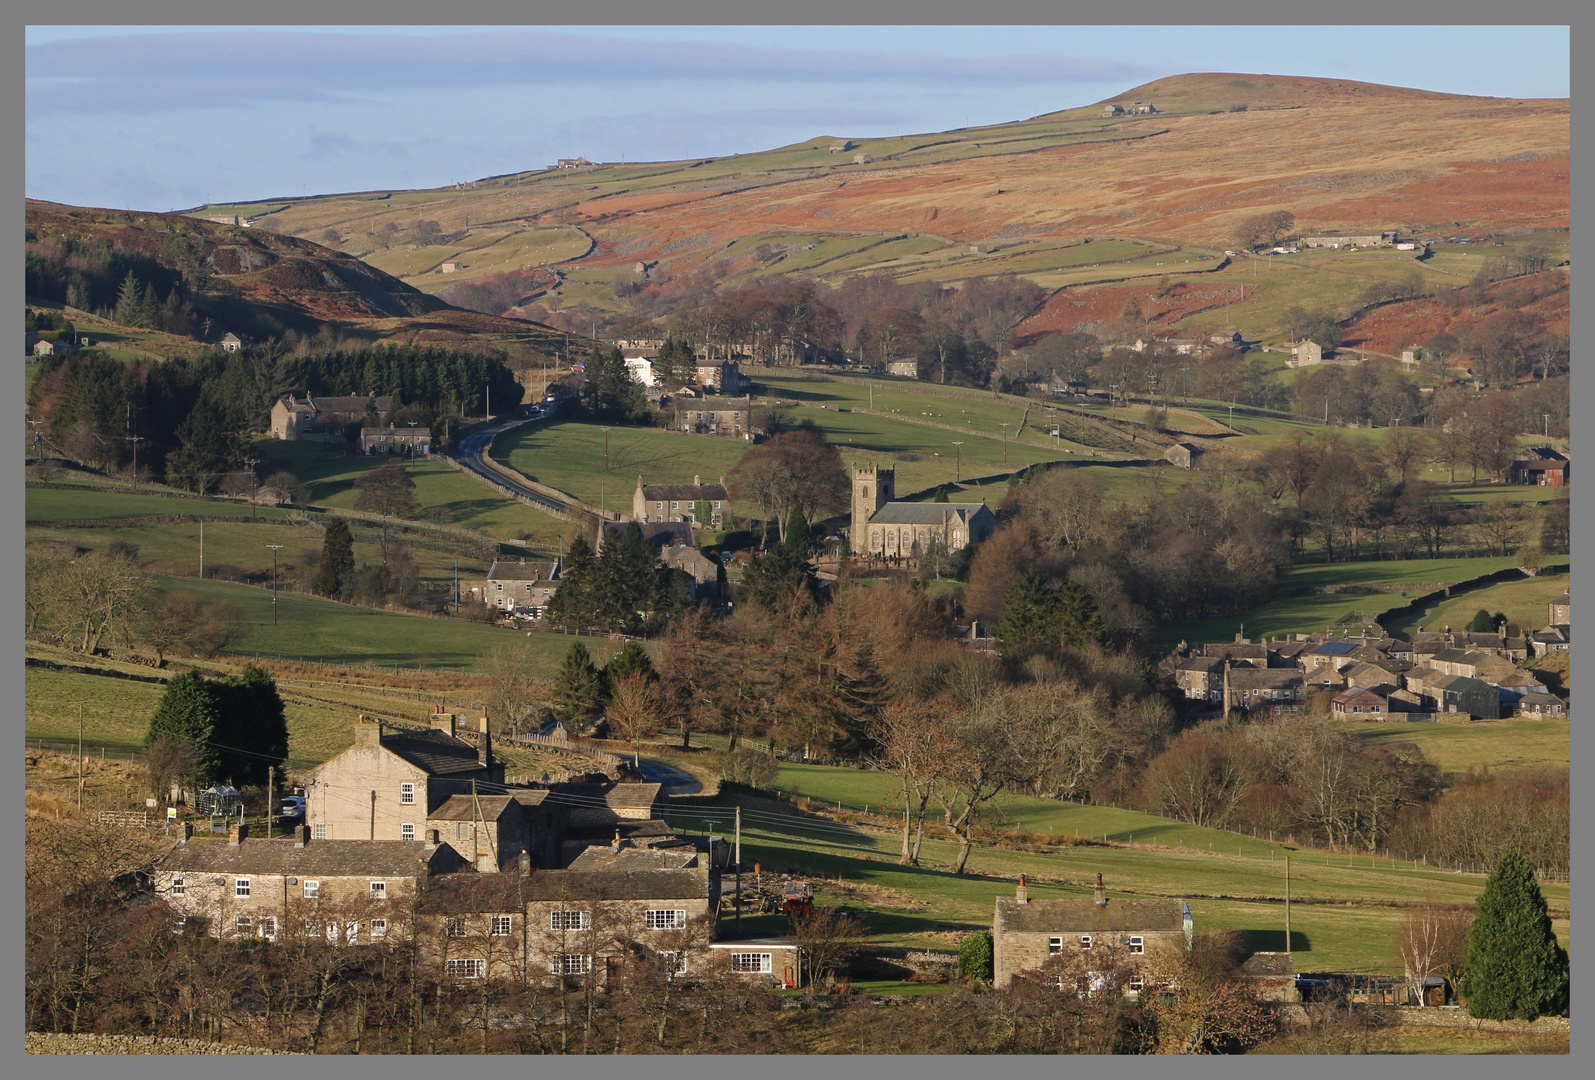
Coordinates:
167	117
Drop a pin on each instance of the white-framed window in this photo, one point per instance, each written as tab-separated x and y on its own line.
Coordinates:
659	506
755	962
1137	945
319	831
379	889
1085	942
407	831
312	928
672	962
465	969
570	920
1137	984
501	925
244	926
666	919
241	886
312	889
351	933
266	927
178	886
717	504
462	830
407	794
332	931
379	928
454	926
1054	945
570	963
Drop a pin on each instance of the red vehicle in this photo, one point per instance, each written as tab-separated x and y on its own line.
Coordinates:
796	898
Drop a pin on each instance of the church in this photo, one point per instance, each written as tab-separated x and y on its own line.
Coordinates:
890	529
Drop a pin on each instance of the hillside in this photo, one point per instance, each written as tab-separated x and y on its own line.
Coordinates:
1341	155
260	283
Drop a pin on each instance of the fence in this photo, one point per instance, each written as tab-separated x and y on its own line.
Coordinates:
103	753
566	744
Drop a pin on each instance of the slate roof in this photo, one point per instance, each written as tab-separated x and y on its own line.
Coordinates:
629	830
684	492
1269	964
1264	678
522	571
599	857
661	534
907	513
633	795
1083	916
714	404
582	885
329	858
1539	699
1360	695
433	751
465	808
1336	648
1236	650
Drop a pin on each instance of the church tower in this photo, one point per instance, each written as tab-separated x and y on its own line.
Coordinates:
872	489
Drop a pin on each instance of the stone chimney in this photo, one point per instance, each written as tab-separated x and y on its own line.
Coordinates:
525	862
432	838
442	721
614	845
301	835
367	732
1102	896
484	753
1021	895
187	833
697	481
237	833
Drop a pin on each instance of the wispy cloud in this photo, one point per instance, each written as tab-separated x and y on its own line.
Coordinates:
228	69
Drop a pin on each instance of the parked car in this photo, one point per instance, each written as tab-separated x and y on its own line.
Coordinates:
293	806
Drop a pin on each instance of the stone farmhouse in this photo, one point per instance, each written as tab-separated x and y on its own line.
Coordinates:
680	502
320	419
903	368
884	528
1350	240
724	377
727	416
396	440
523	586
1027	933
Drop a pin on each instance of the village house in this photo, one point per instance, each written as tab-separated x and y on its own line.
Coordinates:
1541	706
396	440
1026	933
1185	455
723	377
1360	703
1271	976
907	368
1252	688
730	416
640	368
230	342
1559	612
386	785
882	527
351	891
1182	346
320	419
1454	694
681	502
523	587
1551	639
1359	240
1305	353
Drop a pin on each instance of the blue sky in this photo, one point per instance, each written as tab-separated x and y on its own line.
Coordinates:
158	118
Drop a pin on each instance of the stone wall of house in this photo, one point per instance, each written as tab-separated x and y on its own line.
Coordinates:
1013	953
342	899
39	1042
340	798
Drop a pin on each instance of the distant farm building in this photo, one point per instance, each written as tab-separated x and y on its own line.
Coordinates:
1185	455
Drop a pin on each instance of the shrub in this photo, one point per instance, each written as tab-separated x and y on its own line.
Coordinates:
975	956
751	768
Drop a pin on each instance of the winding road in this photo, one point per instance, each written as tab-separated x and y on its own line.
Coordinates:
469	457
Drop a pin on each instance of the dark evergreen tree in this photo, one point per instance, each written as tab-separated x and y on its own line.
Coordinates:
128	298
190	710
1029	616
1079	622
774	580
941	494
625	580
632	658
797	534
1515	967
579	689
149	308
252	728
610	393
572	604
1481	623
336	568
204	454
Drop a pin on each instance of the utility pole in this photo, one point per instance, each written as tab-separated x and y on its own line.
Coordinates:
80	757
274	549
1287	905
1005	425
202	549
271	778
135	440
958	469
457	584
738	855
606	449
38	445
251	462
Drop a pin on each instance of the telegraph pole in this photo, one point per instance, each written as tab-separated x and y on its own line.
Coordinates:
1005	427
738	854
274	549
1287	905
958	468
135	440
80	757
38	443
271	777
251	462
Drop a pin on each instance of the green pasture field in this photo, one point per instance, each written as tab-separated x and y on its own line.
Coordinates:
447	495
1343	916
569	455
406	261
1391	570
42	505
1497	745
312	628
1523	602
514	251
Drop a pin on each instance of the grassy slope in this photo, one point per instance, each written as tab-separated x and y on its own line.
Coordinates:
1522	602
1499	745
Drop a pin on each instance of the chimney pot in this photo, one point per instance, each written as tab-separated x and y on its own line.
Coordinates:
1022	894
